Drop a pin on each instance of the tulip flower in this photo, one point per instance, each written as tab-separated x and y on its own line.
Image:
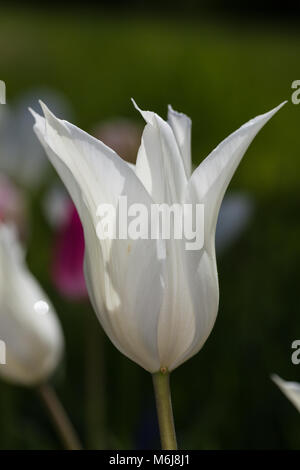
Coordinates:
155	300
34	342
290	389
29	330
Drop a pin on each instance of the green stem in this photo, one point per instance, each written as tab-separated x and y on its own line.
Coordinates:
59	417
161	383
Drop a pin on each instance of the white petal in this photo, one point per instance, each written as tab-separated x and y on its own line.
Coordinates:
195	307
182	125
159	163
290	389
162	165
123	277
129	282
177	320
207	186
209	181
34	342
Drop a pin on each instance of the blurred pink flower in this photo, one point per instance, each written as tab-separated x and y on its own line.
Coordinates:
67	266
122	135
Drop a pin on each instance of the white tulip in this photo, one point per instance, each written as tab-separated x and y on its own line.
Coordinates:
158	306
29	327
290	389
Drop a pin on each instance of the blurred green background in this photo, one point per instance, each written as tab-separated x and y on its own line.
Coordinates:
221	71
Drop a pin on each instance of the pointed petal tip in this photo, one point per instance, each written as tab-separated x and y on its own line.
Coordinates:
38	119
33	112
45	109
279	381
147	115
56	123
48	113
136	105
172	111
282	104
274	110
262	119
275	378
277	108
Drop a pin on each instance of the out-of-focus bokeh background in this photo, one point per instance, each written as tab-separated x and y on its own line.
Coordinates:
221	67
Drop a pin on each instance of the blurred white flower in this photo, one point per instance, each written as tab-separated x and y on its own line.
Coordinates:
34	342
21	157
234	216
290	389
156	301
55	206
